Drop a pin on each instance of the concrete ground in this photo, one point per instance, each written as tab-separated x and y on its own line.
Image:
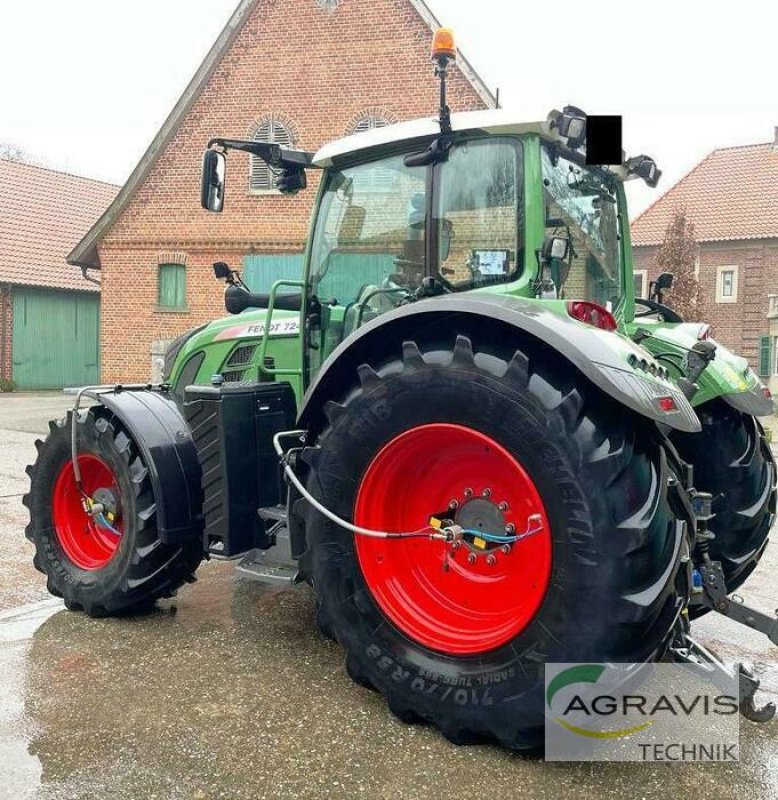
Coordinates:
229	692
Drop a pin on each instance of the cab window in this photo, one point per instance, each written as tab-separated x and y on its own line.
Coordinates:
479	215
582	204
369	245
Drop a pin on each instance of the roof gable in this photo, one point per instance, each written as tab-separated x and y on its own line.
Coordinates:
730	195
85	253
42	216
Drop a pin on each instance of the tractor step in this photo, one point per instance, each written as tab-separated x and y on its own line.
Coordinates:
274	567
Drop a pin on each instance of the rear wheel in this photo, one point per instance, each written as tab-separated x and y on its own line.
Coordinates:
500	445
732	460
107	563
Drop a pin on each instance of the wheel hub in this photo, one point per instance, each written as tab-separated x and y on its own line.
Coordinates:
484	515
107	499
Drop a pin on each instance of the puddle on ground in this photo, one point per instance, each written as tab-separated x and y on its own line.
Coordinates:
22	771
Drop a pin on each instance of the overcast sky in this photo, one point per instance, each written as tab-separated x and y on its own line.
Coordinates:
86	84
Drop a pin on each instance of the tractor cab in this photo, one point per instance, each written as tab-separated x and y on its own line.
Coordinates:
472	202
508	208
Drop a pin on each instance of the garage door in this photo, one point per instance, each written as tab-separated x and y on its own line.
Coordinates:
260	272
55	339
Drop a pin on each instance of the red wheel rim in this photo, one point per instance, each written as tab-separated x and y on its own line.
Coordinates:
429	590
87	544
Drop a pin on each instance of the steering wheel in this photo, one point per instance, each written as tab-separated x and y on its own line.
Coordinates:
652	307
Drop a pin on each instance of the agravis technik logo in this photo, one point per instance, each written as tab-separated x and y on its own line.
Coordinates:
640	712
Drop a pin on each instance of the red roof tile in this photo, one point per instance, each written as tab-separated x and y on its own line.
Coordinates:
43	215
732	194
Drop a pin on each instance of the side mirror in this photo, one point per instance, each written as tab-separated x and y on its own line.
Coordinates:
644	167
556	248
213	180
221	270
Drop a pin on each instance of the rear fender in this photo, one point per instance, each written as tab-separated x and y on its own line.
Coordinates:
600	356
160	432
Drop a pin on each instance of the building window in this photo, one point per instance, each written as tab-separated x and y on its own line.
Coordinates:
726	284
374	179
172	286
369	122
641	284
273	131
766	355
775	355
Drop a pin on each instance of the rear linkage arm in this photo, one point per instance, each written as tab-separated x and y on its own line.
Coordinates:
710	591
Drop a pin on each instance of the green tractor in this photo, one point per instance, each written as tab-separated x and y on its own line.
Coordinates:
460	427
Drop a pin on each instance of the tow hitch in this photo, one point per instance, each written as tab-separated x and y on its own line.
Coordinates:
710	591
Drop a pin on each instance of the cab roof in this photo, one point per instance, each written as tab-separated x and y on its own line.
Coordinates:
499	121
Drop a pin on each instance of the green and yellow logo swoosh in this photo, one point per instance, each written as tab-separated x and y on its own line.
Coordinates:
585	673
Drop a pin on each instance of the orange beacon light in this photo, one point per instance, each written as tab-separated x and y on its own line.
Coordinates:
444	44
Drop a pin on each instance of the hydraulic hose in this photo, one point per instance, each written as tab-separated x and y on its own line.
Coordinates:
443	534
427	533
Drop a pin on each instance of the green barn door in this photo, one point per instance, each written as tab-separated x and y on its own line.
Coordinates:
260	272
55	339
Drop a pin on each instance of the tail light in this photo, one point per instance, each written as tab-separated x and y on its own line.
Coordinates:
592	314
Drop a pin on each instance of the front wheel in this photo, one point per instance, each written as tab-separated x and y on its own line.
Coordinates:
502	445
113	562
732	461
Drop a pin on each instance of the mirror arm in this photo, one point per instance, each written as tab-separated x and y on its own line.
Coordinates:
274	155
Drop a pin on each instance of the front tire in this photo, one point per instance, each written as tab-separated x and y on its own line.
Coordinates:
732	461
115	565
599	581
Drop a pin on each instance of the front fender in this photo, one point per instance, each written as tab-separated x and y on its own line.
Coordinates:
728	376
162	435
602	357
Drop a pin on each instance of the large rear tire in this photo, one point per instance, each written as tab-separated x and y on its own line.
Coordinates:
732	460
462	645
116	568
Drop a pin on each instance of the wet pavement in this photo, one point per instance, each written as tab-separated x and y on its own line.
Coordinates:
230	692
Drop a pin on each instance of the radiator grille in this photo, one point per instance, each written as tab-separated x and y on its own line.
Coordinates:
242	356
236	376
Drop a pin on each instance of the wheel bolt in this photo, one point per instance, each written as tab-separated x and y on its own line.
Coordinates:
453	504
491	560
487	493
510	528
456	545
506	548
468	492
472	558
503	506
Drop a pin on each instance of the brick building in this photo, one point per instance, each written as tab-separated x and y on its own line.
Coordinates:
732	199
290	71
48	313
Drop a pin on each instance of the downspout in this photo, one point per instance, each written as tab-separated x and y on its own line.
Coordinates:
5	293
84	271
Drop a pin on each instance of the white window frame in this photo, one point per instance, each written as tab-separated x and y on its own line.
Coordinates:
274	131
720	297
643	275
